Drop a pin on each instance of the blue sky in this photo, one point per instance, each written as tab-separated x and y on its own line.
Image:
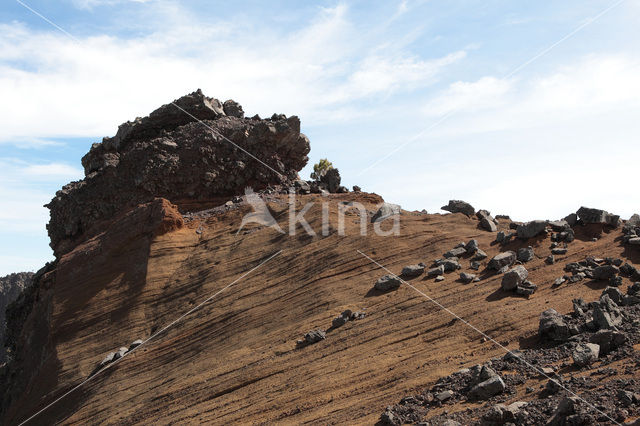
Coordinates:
419	101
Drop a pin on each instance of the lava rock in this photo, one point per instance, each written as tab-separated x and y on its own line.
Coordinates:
467	278
585	353
605	272
411	271
385	211
553	326
314	336
525	254
531	229
459	206
387	282
588	215
501	260
487	389
514	277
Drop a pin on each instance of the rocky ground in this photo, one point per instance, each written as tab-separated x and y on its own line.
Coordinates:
542	317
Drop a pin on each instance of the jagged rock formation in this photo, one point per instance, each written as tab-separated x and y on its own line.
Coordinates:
181	151
10	288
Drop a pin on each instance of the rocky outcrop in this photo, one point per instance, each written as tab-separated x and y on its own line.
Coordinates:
194	148
11	287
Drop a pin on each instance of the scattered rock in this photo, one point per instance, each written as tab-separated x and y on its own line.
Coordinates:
588	215
342	319
553	326
485	390
526	288
605	272
501	260
459	206
356	188
480	255
585	353
531	229
514	277
456	252
559	251
444	395
467	278
487	222
434	272
525	254
472	247
387	282
608	340
314	336
550	260
412	271
385	211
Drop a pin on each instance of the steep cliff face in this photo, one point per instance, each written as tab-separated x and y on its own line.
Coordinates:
194	148
10	288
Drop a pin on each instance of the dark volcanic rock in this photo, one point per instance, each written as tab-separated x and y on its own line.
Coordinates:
181	152
459	206
588	215
10	288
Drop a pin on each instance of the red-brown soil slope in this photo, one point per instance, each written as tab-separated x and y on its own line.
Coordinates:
235	360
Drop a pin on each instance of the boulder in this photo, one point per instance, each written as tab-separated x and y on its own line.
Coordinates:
585	353
487	222
472	246
135	344
386	210
501	260
411	271
559	251
434	272
608	340
514	277
525	254
559	225
331	178
387	282
459	206
606	314
341	319
480	255
605	272
456	252
589	215
444	395
467	278
233	109
571	219
614	294
553	327
356	188
315	336
526	288
531	229
120	353
487	389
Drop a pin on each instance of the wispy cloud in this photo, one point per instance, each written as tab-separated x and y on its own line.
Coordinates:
88	88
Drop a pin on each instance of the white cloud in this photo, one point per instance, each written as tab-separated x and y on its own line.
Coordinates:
52	170
53	86
592	86
534	148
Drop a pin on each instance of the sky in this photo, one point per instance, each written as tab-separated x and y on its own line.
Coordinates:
522	108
